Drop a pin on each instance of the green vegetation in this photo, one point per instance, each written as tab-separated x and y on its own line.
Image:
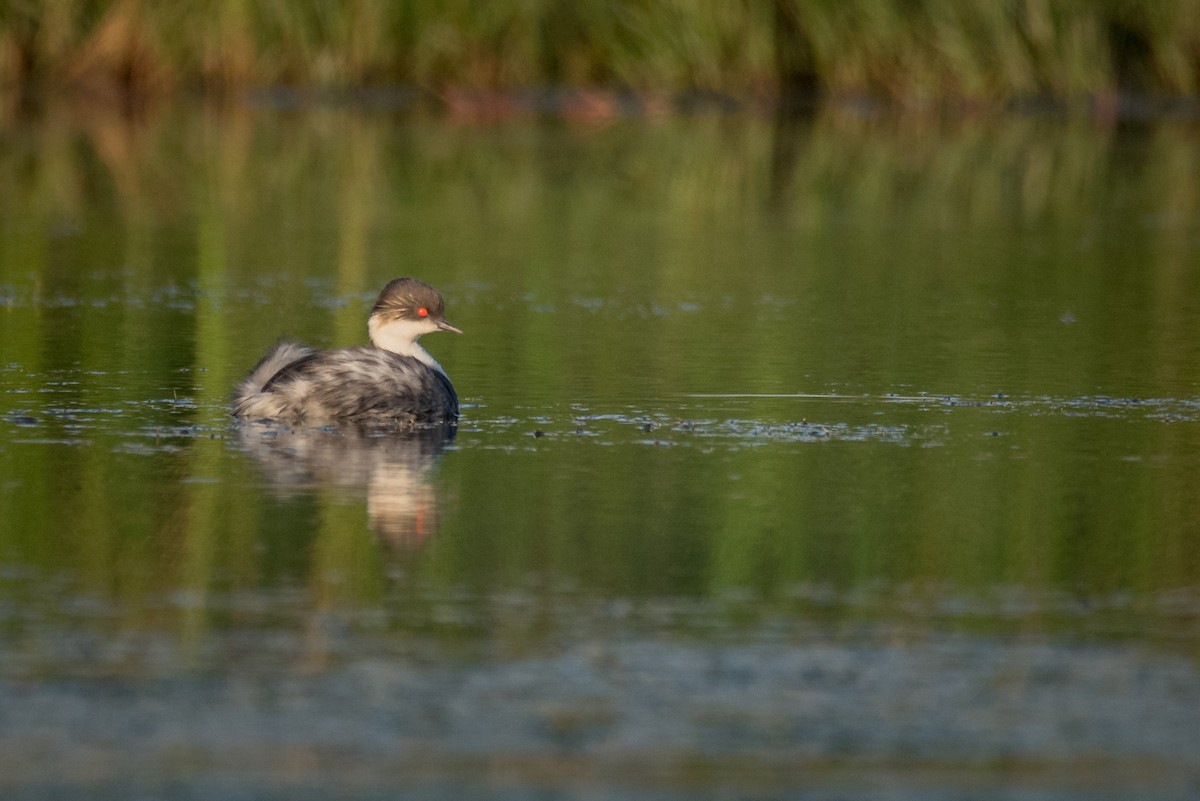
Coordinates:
915	51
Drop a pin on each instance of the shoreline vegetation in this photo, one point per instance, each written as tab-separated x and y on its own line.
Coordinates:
604	57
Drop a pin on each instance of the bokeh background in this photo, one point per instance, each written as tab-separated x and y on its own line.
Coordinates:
830	386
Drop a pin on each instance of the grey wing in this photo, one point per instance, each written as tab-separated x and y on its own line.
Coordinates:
368	382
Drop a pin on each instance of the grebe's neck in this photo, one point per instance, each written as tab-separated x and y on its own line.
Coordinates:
400	337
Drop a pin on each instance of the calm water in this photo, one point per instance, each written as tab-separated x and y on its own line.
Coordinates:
848	457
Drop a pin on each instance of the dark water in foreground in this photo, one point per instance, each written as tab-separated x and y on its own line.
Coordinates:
848	458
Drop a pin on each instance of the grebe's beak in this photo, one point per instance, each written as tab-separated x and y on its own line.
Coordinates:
445	326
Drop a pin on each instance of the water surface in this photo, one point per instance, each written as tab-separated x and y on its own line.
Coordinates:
795	456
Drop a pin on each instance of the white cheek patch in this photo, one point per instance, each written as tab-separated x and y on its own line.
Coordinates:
400	336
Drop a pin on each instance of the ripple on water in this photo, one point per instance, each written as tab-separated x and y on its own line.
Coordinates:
728	420
754	420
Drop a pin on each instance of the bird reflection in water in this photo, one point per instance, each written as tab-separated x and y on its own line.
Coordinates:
392	466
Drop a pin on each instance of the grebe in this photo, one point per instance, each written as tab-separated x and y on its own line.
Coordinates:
392	380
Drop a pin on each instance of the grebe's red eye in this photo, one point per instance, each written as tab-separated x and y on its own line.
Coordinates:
422	312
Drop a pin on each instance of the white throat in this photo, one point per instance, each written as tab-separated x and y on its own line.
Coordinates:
400	336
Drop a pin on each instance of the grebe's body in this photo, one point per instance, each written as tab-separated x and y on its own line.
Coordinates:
392	380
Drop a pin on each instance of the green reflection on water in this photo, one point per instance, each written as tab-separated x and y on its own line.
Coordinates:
617	284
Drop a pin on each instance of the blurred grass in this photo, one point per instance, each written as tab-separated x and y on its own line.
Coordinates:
978	50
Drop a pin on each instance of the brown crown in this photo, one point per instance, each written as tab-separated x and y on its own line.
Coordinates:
405	297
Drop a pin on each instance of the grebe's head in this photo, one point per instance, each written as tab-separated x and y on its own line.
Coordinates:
406	309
